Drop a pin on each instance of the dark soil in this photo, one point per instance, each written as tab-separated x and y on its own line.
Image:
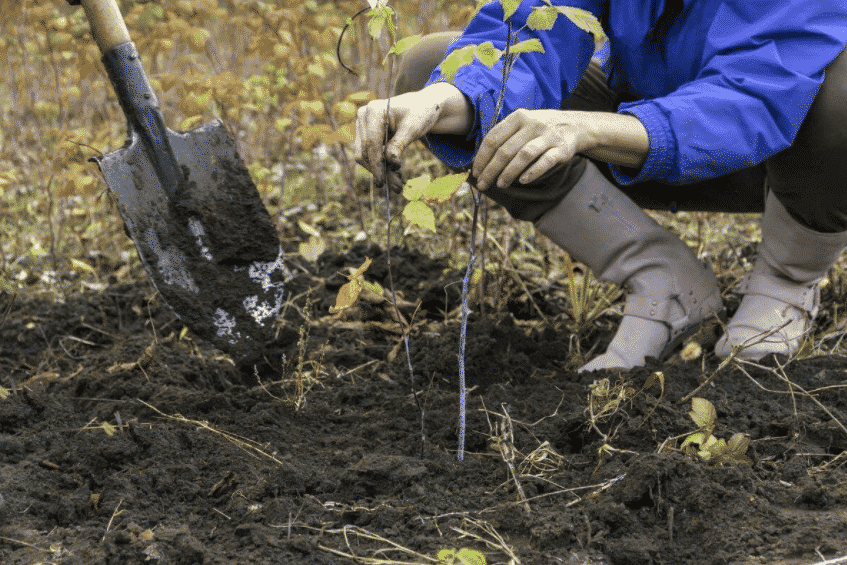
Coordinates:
206	462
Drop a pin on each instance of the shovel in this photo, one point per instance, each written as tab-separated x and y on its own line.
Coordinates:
187	200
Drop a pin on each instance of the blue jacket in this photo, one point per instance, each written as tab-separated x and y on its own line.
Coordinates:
728	89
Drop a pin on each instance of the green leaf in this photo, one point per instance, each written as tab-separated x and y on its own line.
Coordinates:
441	189
526	46
414	188
697	439
543	17
584	19
736	449
456	60
703	413
373	287
487	53
509	8
420	214
405	44
381	18
467	556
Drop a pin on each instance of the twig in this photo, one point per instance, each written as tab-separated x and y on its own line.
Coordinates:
732	356
400	319
463	331
833	561
798	387
109	525
504	441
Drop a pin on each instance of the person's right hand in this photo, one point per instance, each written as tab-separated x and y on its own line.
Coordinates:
408	117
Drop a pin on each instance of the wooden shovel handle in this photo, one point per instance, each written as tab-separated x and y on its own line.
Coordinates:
107	23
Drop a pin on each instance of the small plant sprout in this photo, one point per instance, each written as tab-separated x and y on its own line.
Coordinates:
350	291
709	448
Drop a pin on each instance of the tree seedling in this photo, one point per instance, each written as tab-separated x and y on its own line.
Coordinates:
708	447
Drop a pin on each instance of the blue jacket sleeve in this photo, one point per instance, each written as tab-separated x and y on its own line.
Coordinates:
537	80
763	65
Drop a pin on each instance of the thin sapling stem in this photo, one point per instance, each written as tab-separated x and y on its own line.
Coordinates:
463	331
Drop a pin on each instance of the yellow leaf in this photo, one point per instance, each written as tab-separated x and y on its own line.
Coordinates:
189	123
405	44
361	97
467	556
4	393
446	556
311	135
420	214
527	46
584	19
108	428
373	287
344	111
441	189
344	134
487	53
361	270
308	229
542	17
81	265
456	60
312	249
414	188
703	413
196	39
347	296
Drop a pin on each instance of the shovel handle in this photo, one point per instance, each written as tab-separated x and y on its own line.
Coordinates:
107	23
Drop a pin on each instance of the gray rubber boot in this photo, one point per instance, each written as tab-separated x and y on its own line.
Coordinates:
781	293
671	292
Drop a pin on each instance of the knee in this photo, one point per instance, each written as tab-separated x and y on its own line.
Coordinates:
824	129
417	63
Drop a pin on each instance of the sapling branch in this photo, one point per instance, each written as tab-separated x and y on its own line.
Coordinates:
463	330
400	319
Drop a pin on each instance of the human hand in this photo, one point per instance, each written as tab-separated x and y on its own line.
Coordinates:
438	108
408	117
529	143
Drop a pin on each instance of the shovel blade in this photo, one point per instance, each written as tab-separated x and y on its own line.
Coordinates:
210	249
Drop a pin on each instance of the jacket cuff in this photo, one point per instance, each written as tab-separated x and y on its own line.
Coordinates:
484	103
663	147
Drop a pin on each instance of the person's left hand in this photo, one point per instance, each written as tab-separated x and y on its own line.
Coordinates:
530	142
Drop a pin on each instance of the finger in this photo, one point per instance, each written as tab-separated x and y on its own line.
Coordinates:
375	150
361	132
503	157
413	126
493	140
547	161
524	158
396	180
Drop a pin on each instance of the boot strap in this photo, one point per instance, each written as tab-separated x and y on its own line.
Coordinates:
806	298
